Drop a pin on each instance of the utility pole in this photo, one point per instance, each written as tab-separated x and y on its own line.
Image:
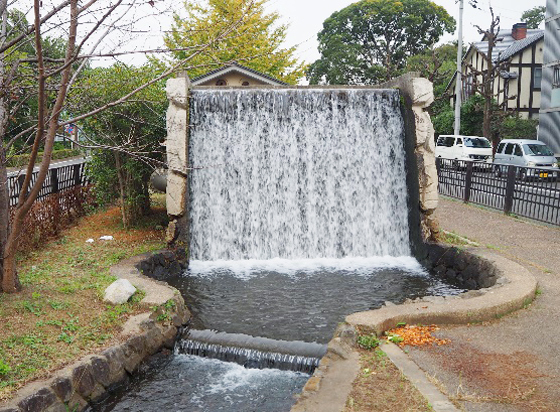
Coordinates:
458	82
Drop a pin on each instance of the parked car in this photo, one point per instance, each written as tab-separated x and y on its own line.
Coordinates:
533	158
457	147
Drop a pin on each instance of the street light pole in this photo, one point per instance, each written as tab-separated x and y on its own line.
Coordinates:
458	82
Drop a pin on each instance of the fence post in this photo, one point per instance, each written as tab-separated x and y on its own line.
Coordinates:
468	179
510	188
77	174
54	180
20	179
56	200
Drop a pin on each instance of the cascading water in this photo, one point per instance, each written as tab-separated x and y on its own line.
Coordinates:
298	217
253	352
297	174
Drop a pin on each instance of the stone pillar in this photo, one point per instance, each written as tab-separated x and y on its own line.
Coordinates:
177	146
418	94
425	155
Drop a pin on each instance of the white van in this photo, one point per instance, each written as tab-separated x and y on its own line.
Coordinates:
525	153
457	147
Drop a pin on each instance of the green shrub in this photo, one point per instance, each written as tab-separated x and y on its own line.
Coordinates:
368	342
514	127
22	160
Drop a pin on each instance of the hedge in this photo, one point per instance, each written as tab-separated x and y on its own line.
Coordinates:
22	160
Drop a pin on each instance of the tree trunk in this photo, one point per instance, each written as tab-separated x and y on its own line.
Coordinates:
4	207
29	193
122	191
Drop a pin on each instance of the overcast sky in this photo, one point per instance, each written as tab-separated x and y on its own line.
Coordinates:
306	17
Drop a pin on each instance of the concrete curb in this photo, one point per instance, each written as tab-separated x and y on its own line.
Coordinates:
515	288
417	377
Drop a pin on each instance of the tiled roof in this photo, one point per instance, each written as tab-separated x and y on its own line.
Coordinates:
228	67
508	46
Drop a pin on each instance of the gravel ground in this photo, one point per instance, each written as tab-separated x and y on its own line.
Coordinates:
512	363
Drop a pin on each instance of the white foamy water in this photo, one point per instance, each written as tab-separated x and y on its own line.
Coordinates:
236	376
296	174
247	269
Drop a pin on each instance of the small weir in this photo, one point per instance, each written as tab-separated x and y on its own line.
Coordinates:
253	352
298	217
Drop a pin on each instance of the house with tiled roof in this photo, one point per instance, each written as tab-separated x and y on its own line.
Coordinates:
236	75
520	53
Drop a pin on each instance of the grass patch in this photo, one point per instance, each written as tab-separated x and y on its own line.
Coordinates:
59	316
382	387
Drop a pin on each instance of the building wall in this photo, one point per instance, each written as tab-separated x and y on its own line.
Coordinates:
234	79
549	118
527	95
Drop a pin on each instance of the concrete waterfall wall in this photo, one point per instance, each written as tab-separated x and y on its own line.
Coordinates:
417	94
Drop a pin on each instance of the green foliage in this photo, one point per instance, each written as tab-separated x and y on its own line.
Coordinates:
515	127
371	40
22	160
443	122
437	64
368	342
534	17
4	368
132	132
164	312
256	41
22	100
472	116
393	337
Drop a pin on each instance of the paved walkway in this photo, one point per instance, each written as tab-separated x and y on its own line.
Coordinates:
510	364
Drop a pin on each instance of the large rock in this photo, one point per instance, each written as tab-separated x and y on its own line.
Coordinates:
119	292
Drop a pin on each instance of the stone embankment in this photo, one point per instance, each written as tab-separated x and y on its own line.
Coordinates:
72	388
499	286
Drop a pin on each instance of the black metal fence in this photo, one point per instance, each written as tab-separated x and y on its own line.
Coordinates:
529	192
58	179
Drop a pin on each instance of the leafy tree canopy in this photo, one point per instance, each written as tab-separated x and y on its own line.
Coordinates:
135	128
437	65
371	40
255	42
534	17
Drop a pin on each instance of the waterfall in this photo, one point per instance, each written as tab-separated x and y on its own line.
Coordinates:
297	174
252	352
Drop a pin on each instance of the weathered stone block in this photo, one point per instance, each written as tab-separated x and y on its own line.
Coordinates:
100	370
169	337
38	402
57	407
76	403
63	388
175	198
451	274
134	350
82	380
154	340
115	360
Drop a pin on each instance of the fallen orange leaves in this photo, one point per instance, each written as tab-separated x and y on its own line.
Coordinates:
418	335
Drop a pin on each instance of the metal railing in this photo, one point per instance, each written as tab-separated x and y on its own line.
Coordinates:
58	179
528	192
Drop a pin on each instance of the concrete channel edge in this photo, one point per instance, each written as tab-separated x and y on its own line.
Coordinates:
514	289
